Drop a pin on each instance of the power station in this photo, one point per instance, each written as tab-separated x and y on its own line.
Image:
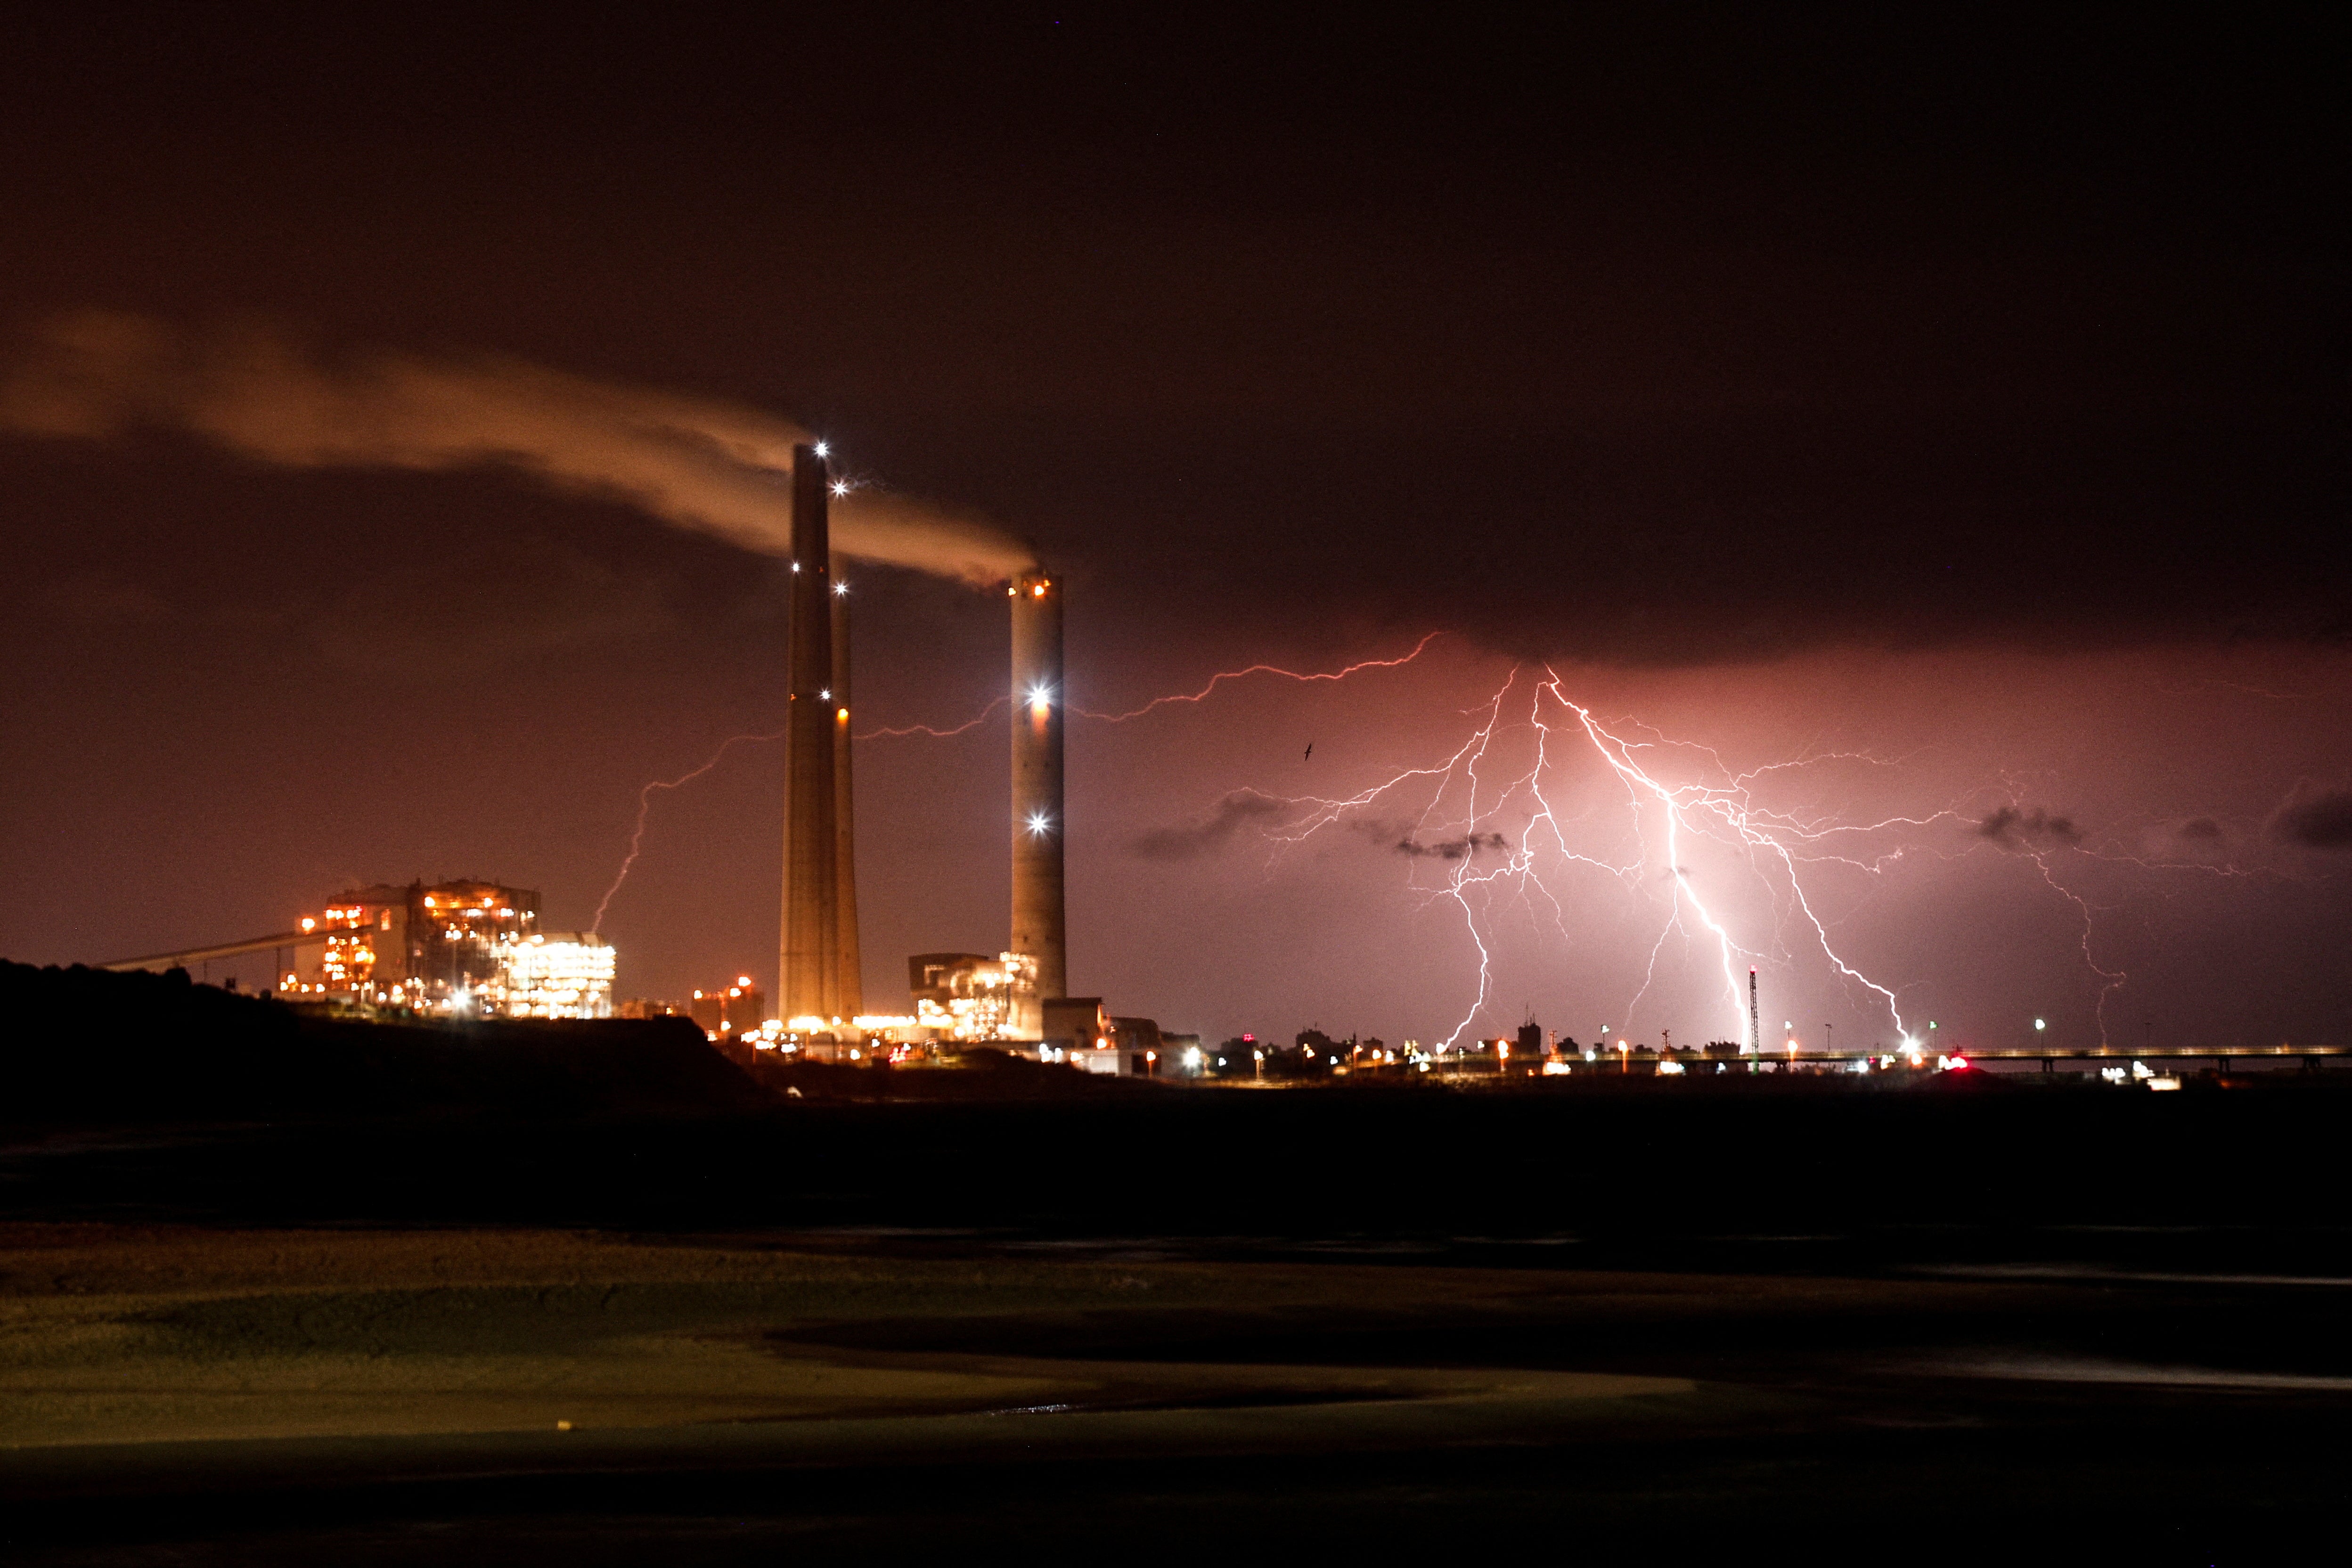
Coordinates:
487	955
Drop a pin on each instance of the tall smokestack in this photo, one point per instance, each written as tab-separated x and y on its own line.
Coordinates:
849	983
1037	823
807	966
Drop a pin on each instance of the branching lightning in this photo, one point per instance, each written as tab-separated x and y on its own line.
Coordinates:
1720	807
1469	884
1458	811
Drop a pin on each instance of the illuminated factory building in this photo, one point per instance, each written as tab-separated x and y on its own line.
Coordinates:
456	949
966	996
568	975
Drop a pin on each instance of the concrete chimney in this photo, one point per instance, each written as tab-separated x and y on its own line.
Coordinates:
849	984
807	977
1037	822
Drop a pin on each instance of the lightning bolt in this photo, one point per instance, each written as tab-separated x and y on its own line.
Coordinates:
971	724
644	806
1222	676
645	795
1618	754
2110	980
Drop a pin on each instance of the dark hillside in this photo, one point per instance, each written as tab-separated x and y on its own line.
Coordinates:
87	1047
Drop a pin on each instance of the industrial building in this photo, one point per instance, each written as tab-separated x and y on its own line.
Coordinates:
452	949
456	949
965	996
414	946
740	1008
552	974
1079	1031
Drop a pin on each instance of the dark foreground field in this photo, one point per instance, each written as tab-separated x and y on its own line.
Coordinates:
270	1395
1620	1325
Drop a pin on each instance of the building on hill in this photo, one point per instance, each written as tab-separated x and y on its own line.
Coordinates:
558	975
456	949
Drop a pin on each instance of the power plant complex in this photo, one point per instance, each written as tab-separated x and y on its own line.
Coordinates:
475	949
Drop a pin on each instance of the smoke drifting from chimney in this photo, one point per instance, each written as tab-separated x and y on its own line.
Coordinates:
715	466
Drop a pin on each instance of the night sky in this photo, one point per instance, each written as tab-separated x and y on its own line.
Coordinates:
1925	435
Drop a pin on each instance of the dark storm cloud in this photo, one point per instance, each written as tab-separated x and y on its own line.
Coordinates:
1654	335
1672	338
2316	819
1462	849
2196	840
2025	830
1192	841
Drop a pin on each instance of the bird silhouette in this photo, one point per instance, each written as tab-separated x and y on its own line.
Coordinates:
1311	752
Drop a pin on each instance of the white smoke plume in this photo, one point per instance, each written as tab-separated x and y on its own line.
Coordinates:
700	463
